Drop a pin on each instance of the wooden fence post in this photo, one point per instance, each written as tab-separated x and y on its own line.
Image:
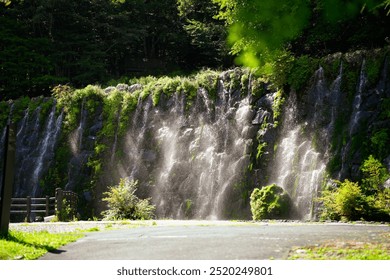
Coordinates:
47	205
59	199
8	178
28	210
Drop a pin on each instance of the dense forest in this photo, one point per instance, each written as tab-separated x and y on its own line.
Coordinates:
44	43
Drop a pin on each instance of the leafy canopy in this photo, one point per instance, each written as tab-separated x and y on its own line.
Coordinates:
261	31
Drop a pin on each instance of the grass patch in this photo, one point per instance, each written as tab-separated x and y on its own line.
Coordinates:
343	251
20	245
94	229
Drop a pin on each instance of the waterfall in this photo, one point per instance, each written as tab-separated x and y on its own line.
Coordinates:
305	142
35	148
189	161
356	107
76	137
354	123
298	167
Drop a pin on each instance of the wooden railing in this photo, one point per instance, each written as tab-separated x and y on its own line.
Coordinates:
45	206
27	206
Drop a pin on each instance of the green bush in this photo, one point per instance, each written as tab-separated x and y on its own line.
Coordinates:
124	204
367	201
269	202
346	202
350	202
66	213
375	174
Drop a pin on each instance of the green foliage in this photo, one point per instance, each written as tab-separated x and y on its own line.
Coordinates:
155	87
124	204
4	113
380	143
385	108
375	174
72	101
373	69
277	106
6	2
207	35
20	106
83	42
208	79
269	202
188	207
261	33
346	202
301	71
351	201
66	213
341	250
258	28
260	150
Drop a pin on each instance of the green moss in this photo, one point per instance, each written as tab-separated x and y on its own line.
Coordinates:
373	70
20	106
260	149
258	86
277	106
71	101
245	81
208	79
269	202
350	79
301	71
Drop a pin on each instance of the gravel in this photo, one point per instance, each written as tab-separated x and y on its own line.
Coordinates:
59	227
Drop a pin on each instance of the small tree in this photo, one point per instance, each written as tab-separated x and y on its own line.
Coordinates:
124	204
350	202
375	174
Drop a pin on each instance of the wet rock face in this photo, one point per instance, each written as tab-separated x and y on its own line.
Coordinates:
208	156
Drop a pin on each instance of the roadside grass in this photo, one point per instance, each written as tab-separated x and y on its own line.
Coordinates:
19	245
344	251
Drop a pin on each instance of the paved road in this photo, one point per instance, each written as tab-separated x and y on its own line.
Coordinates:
175	240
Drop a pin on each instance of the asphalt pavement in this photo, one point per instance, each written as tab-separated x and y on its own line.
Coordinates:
212	240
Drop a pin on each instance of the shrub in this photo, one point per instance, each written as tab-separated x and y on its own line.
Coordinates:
67	213
124	204
269	202
345	202
375	174
350	202
379	142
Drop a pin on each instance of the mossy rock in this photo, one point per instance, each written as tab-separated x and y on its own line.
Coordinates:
269	202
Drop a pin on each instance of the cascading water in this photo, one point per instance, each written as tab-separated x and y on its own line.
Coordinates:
356	113
354	122
299	168
304	148
35	150
189	162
